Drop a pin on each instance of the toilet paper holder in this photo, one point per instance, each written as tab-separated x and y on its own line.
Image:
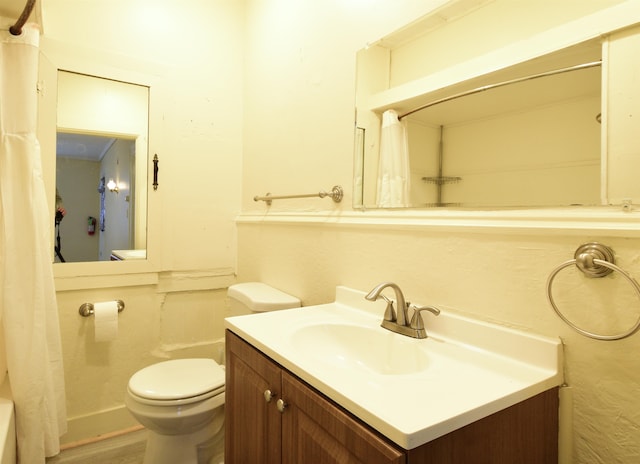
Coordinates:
86	309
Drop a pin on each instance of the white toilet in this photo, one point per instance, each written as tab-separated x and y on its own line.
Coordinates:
181	401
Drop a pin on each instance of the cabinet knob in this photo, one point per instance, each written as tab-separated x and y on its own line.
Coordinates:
281	405
268	395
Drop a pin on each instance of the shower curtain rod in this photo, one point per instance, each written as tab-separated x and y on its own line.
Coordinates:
16	29
502	84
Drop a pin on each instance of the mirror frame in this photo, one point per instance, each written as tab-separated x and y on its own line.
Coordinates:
55	56
436	85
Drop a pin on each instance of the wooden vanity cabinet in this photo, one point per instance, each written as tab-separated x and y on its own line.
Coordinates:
312	429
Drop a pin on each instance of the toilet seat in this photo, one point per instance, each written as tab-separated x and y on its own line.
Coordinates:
176	382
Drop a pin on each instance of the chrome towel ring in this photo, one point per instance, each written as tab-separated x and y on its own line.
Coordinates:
594	260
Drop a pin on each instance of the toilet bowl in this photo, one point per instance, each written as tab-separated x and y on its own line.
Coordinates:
181	402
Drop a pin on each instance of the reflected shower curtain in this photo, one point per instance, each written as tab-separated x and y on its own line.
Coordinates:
27	296
393	166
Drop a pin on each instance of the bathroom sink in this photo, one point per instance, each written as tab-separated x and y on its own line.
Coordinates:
410	390
351	347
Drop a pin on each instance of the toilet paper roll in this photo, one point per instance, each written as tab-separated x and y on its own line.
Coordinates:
105	316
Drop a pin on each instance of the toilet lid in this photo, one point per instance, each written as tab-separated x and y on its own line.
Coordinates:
178	378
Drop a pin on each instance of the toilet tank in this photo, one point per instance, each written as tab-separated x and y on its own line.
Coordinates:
257	297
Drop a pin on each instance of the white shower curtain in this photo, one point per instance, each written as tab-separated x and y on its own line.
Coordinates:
27	296
393	166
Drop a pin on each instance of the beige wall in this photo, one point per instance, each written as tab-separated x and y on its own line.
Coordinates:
76	177
259	98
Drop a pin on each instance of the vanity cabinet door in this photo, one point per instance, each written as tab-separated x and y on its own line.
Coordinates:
297	426
314	430
252	424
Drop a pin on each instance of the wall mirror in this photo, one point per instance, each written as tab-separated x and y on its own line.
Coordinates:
101	169
526	131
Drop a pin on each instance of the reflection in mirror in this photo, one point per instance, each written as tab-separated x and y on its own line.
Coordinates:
97	219
101	169
535	142
556	141
512	139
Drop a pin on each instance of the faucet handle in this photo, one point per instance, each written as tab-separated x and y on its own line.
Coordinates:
416	319
389	312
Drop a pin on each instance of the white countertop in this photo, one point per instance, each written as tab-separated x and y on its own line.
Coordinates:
469	368
129	254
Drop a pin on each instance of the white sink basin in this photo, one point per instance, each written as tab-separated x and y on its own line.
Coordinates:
353	347
412	391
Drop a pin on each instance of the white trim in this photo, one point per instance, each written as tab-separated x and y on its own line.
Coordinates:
109	274
604	121
607	221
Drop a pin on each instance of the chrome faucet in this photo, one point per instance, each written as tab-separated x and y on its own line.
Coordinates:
397	321
401	317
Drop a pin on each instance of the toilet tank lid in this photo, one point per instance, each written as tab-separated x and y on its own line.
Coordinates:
259	296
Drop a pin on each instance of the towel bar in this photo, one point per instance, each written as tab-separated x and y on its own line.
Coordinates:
336	195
